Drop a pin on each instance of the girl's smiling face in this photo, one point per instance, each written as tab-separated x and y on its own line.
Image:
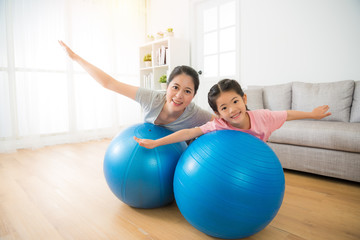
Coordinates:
180	93
232	108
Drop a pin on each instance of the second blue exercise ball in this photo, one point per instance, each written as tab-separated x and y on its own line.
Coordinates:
141	177
229	184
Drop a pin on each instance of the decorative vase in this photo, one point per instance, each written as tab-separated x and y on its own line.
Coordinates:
150	38
159	35
163	86
169	34
147	64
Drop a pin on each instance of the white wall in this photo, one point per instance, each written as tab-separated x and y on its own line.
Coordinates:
300	40
169	13
282	40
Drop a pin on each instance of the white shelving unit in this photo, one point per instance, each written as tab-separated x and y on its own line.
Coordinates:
175	52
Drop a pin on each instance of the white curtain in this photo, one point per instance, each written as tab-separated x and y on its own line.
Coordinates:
45	98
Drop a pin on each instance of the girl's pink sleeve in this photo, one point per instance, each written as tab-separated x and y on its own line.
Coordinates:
276	119
208	127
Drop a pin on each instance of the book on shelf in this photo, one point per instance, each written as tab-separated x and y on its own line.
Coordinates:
167	56
148	81
161	55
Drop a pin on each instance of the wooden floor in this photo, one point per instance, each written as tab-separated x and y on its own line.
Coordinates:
59	192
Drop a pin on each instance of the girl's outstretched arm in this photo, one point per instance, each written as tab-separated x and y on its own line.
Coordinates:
100	76
318	113
179	136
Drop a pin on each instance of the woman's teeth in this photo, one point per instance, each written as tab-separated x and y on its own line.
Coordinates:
177	103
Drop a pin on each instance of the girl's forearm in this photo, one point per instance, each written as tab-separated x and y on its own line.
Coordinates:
179	136
317	113
296	115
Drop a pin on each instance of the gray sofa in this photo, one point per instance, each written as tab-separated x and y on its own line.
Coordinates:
329	147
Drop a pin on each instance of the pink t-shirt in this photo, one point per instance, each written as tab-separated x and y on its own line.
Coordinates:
263	122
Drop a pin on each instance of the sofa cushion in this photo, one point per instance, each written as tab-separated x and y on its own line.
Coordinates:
338	164
254	97
338	95
277	97
319	134
355	109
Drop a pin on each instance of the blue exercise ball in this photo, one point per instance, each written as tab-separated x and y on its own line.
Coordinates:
141	177
229	184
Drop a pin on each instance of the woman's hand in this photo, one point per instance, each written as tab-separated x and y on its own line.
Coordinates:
320	112
69	52
147	143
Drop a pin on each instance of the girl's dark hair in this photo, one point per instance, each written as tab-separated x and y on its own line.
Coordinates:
224	85
188	71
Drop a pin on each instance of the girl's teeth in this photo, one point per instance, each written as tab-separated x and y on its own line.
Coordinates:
236	115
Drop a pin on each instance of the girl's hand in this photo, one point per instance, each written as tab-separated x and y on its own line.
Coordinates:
69	52
320	112
148	143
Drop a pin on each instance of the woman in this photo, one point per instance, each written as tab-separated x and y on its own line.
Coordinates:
173	110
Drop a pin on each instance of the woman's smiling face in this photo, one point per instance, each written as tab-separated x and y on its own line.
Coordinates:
180	92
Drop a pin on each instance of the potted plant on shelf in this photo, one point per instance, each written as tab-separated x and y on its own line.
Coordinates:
169	32
147	60
159	35
162	82
150	37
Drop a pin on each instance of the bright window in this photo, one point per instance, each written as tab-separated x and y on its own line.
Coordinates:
42	92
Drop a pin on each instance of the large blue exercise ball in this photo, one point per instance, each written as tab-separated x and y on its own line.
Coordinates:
229	184
141	177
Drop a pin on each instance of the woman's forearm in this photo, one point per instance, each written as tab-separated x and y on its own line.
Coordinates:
100	76
106	80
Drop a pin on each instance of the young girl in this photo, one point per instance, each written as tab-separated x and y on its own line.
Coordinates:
173	110
228	101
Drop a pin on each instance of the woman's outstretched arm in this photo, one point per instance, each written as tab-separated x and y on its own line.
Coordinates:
100	76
